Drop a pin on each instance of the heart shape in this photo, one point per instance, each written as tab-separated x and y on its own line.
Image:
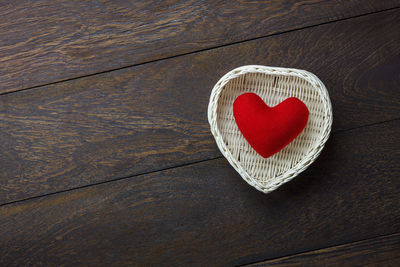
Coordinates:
273	84
269	129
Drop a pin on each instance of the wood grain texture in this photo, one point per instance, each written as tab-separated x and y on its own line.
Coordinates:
380	251
46	41
154	116
206	215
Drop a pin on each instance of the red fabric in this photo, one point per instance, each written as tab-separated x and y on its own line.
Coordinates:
268	130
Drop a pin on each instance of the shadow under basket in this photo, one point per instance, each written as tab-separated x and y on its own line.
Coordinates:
273	85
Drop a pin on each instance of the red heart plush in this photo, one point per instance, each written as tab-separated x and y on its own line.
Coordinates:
268	130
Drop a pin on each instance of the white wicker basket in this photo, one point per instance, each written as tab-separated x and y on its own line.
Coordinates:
273	85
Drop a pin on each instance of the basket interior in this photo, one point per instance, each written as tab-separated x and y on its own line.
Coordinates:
273	89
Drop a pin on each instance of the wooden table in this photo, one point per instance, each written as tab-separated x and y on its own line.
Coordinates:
106	154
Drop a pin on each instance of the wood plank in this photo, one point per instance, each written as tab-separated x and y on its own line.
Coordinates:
380	251
46	41
154	116
205	214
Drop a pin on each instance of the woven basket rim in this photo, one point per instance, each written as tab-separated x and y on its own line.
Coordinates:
314	151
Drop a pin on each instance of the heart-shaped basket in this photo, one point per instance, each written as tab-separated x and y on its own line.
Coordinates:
273	85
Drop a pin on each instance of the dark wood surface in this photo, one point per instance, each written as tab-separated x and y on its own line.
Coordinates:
205	213
137	120
47	41
107	160
381	251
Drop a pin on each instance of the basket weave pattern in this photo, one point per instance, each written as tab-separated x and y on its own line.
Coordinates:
273	85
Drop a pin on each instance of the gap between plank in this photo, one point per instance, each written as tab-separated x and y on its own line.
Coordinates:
112	180
314	250
167	168
198	51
